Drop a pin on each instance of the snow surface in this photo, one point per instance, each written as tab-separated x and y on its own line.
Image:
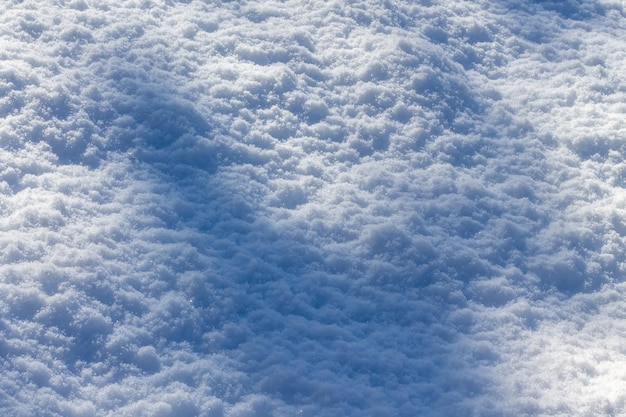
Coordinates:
312	208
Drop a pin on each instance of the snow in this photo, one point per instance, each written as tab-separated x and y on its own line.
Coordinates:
319	208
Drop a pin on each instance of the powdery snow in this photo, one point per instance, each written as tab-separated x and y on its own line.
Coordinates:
315	208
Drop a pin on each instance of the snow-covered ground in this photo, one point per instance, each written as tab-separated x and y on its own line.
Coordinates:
312	208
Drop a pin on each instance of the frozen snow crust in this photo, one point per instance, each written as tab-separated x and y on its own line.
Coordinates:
312	208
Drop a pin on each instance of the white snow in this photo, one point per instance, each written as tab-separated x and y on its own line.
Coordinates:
312	208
